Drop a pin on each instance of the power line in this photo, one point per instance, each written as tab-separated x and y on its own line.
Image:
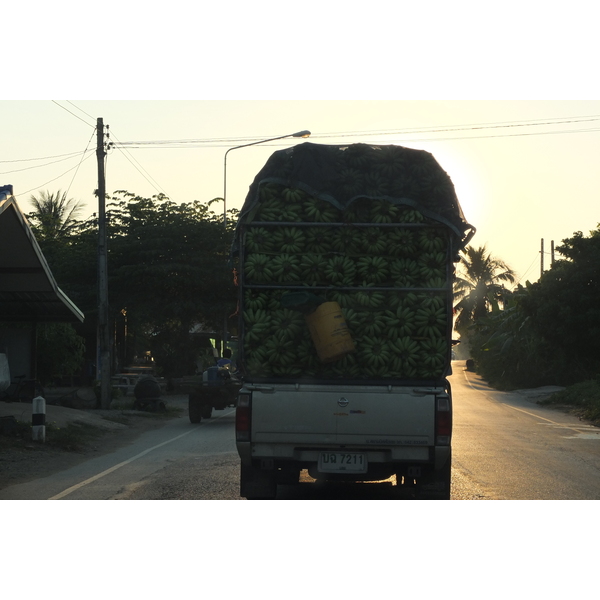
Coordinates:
83	111
221	142
82	156
39	158
125	152
68	156
72	113
51	180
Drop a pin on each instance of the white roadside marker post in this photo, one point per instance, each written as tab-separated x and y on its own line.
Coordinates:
38	420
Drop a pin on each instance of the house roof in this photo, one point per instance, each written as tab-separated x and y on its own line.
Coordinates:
28	291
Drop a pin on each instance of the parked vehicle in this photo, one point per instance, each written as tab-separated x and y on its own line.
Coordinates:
345	262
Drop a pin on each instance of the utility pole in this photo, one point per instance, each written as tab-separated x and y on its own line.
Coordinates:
542	258
103	334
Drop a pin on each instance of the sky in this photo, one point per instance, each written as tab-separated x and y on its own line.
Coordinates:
523	170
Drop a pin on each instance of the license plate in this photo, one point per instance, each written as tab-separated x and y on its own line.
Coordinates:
342	462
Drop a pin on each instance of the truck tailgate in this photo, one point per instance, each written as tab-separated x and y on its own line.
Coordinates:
344	415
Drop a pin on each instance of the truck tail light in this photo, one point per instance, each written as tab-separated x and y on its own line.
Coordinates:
242	418
443	420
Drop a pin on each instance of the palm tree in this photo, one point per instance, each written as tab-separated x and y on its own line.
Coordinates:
479	287
54	216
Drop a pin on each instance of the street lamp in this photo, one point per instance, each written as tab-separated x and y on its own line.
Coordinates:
303	134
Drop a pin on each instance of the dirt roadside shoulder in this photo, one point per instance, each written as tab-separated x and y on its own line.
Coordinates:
73	436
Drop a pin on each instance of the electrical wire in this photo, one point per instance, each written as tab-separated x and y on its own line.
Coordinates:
45	164
51	180
39	158
84	152
221	142
125	153
72	113
81	109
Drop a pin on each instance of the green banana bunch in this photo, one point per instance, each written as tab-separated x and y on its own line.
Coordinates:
436	282
318	240
307	354
258	239
312	268
291	213
347	367
373	269
257	268
288	240
407	351
374	353
405	272
258	324
373	240
255	300
376	185
432	266
431	240
383	211
320	211
285	268
350	182
358	156
270	209
433	301
281	352
389	161
344	299
340	270
351	318
257	361
433	353
400	322
293	195
402	243
370	324
431	322
343	239
366	298
287	324
410	215
269	191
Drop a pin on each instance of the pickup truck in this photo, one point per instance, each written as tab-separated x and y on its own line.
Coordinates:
344	259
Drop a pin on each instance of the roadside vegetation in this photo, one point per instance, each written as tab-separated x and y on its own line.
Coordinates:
545	333
583	397
168	272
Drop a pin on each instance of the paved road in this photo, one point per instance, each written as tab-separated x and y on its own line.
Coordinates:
119	474
511	448
505	447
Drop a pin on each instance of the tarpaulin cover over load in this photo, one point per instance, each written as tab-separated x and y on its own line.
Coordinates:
343	174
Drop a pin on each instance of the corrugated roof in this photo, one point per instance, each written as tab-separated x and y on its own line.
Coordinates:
28	291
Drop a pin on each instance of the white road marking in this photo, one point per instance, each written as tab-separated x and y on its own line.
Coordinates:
126	462
562	425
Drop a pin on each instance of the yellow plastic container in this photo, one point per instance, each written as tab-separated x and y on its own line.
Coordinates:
329	332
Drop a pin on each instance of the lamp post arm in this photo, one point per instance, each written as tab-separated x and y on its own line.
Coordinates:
303	134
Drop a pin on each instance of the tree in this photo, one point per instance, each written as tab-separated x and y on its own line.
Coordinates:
168	267
564	306
168	270
54	216
479	287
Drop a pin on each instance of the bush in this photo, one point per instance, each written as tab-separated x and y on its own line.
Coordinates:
584	396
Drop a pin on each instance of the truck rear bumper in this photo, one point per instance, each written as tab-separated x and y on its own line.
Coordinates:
304	456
